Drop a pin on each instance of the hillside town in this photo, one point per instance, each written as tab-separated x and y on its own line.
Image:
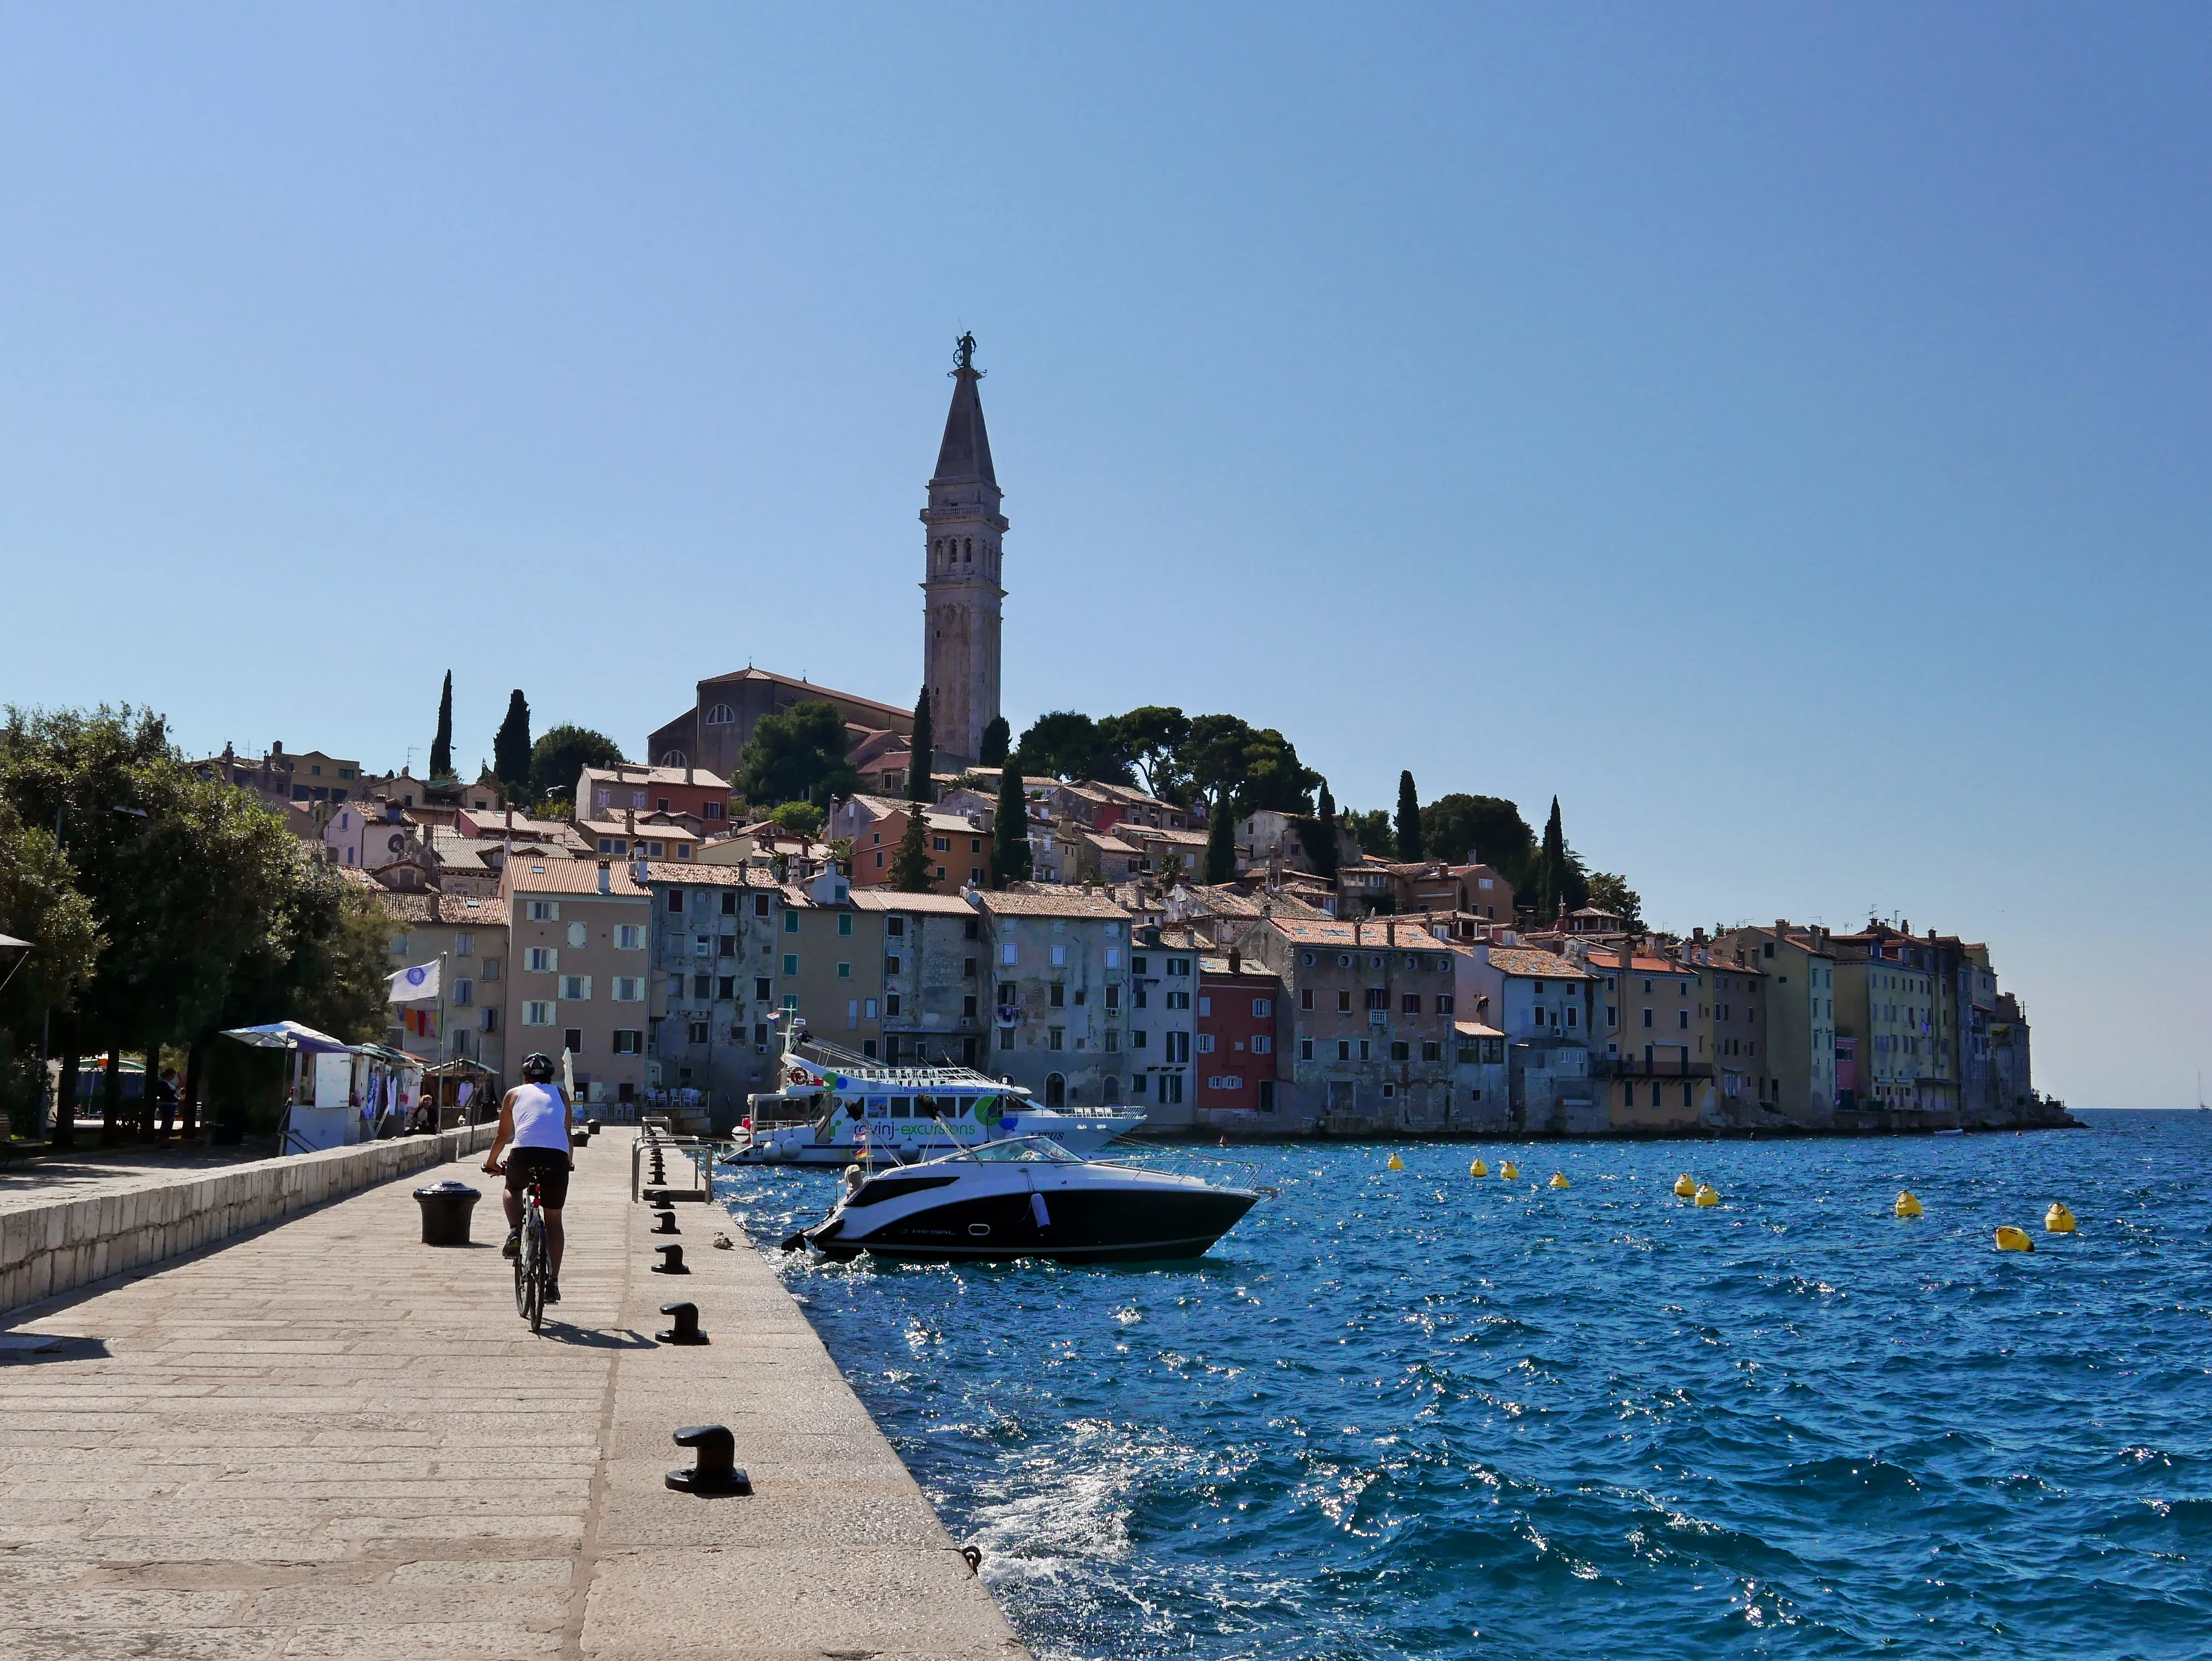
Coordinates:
1232	960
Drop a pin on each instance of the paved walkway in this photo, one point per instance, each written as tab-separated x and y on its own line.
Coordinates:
328	1439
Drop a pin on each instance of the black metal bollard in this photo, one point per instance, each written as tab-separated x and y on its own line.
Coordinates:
671	1261
686	1329
716	1471
665	1217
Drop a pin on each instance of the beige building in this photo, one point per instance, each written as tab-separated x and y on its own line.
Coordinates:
579	934
1795	1057
829	962
468	936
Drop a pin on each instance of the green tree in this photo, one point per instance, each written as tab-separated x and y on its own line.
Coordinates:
1150	740
1611	893
441	747
800	818
1409	819
1212	760
559	757
1486	828
1317	835
1221	842
919	788
1010	829
1064	744
1561	885
1370	830
997	740
797	755
913	871
510	747
40	902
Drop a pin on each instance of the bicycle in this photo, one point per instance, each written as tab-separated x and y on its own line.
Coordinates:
533	1261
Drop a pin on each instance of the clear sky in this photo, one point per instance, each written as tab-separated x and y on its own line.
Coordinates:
1780	432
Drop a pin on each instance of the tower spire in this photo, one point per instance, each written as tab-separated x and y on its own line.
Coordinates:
960	586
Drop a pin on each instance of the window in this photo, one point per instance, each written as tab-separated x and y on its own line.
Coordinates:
628	1041
1401	1050
844	922
761	992
1362	1050
465	993
630	937
573	1039
1684	1015
1305	1049
399	945
1344	1049
1136	965
1113	997
1060	957
729	903
720	715
1378	998
1113	1038
726	945
760	904
676	900
1205	1043
541	959
1647	1015
1262	1043
790	921
1410	1003
1113	957
791	963
465	945
1005	1038
538	1014
940	844
1178	1000
1205	1004
1170	1088
1178	1048
491	1021
1056	995
1343	1003
629	989
702	945
575	989
1431	1050
1007	954
1055	1038
1573	1014
726	989
844	972
1263	1009
892	966
1178	966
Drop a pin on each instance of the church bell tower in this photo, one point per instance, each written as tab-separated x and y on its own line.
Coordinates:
961	591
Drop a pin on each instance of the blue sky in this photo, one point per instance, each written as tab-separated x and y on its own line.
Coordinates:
1781	433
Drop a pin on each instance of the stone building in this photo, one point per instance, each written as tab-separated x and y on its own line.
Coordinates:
1060	995
712	951
936	973
577	977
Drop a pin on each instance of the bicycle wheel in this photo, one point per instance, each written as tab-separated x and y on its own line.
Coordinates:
541	1269
522	1269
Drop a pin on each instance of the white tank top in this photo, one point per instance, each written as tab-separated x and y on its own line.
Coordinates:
541	1119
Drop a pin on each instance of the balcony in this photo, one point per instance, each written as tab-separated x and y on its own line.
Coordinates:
1659	1066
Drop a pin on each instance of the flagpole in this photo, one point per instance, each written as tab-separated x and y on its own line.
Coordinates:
440	1048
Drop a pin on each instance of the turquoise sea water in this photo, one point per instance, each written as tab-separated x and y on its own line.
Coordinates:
1416	1414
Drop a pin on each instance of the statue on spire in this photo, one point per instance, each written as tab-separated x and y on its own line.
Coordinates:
964	355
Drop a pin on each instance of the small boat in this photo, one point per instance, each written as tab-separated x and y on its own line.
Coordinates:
1025	1197
835	1109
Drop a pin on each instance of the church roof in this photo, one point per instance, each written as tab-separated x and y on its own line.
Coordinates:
966	451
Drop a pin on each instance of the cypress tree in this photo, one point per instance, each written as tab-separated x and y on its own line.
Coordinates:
1551	868
919	785
1409	820
911	870
1221	842
510	747
997	740
441	747
1010	832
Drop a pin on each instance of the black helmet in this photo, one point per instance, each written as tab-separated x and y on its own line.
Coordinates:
537	1068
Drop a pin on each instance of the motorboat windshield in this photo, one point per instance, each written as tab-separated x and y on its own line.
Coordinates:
1042	1150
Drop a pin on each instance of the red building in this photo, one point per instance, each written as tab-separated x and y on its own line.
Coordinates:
1241	1023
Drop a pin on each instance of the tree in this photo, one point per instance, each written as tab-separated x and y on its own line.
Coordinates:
997	739
1212	760
1066	745
1150	740
1317	835
1611	893
1274	777
1010	830
441	747
1561	885
559	757
797	755
919	786
1481	830
510	747
1409	820
40	902
797	818
1221	842
1370	830
913	871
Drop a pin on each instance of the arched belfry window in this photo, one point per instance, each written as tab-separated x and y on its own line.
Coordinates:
971	548
721	716
673	758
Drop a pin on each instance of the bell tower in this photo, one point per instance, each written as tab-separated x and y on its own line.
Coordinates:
960	595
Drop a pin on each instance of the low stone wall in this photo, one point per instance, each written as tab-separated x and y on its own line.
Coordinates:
46	1249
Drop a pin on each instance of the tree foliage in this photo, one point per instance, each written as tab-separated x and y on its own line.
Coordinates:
1009	828
1149	740
1221	842
1371	830
913	871
797	755
559	757
1409	820
993	745
441	746
41	902
510	747
1488	827
797	818
919	788
1559	883
1610	892
1066	745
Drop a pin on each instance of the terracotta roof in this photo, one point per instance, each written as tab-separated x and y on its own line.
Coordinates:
1073	903
810	693
1182	937
578	876
1108	844
882	898
1604	962
1475	1029
1534	965
689	875
628	774
446	909
1159	833
662	830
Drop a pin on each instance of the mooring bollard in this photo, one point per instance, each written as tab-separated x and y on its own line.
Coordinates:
671	1261
973	1558
716	1471
666	1218
686	1329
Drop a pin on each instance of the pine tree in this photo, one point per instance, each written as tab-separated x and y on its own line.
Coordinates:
1409	820
1552	869
510	747
1325	810
912	869
441	747
998	738
1010	834
919	785
1221	841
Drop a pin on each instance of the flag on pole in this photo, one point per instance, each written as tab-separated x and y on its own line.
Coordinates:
416	985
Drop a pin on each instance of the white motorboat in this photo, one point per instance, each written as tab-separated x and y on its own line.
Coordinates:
834	1108
1025	1197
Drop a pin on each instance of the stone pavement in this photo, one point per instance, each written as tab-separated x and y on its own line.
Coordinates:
328	1439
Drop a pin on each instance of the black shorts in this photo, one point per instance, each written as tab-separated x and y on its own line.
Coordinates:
551	1170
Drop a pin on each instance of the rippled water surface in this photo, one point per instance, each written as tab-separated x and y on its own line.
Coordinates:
1413	1413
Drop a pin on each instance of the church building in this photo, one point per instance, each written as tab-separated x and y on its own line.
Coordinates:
961	604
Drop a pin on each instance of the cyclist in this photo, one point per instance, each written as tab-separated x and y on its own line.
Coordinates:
533	1126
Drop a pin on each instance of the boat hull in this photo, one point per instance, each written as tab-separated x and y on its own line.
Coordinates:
1104	1226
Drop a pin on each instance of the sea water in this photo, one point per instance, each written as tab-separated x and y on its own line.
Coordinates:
1418	1413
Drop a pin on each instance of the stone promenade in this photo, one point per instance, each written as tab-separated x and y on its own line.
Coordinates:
328	1439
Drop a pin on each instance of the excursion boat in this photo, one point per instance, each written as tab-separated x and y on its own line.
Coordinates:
834	1108
1025	1197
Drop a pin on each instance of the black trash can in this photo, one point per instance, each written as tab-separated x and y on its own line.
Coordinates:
592	1125
580	1137
445	1208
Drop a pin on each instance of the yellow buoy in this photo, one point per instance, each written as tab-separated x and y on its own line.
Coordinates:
1477	1169
1707	1194
1685	1185
1906	1205
1509	1172
1397	1164
2010	1238
2058	1220
1559	1180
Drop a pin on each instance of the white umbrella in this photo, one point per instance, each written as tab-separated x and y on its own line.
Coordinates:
287	1035
7	940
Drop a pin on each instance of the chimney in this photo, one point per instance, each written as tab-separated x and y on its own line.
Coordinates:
687	769
276	746
510	821
629	823
1389	931
606	878
1235	961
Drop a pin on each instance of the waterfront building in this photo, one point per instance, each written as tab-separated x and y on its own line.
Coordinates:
936	976
1543	1004
712	992
1238	1044
578	933
1164	1023
1796	1063
1482	1082
467	934
1060	980
829	961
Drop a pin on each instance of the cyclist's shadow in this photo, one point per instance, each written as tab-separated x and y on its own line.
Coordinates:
585	1338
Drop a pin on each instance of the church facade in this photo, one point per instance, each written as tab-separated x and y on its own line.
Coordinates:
962	596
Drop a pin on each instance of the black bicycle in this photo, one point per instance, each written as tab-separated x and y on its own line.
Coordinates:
533	1260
